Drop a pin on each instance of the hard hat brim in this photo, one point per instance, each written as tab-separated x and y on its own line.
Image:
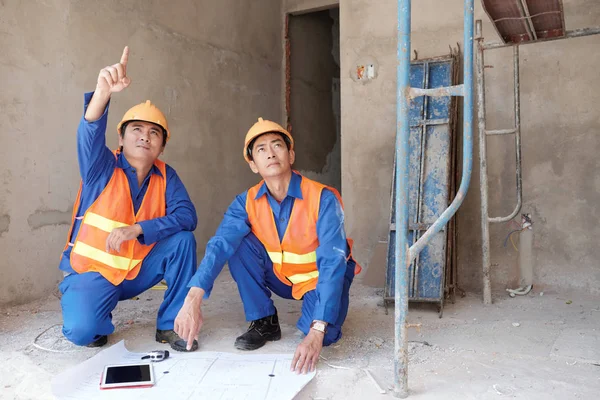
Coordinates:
253	139
165	130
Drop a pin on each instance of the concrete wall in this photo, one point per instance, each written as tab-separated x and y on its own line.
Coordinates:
213	67
315	107
304	6
560	122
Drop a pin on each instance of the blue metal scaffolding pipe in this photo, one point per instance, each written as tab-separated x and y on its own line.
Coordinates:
404	256
467	168
402	158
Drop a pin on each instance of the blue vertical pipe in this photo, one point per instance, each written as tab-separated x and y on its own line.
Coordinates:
468	103
403	254
402	158
467	167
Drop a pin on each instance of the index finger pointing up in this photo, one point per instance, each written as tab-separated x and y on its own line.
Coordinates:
125	56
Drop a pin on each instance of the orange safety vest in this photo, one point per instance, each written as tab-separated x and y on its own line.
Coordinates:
294	258
114	209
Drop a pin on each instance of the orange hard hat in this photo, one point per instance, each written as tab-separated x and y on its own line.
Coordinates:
147	112
261	127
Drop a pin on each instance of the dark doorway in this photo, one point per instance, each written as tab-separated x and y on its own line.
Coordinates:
313	93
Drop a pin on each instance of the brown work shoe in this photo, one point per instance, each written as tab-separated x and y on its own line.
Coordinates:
176	342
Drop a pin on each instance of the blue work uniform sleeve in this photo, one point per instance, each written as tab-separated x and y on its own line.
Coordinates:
331	258
230	233
95	159
180	213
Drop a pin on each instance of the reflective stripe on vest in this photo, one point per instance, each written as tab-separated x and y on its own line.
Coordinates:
89	253
103	257
287	257
299	278
294	257
98	221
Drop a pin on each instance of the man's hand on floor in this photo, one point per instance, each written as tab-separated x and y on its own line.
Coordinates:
307	353
189	319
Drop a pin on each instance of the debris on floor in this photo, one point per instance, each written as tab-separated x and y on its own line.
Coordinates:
474	351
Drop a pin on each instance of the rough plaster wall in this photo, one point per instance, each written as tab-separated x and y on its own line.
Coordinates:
211	71
303	6
560	120
313	101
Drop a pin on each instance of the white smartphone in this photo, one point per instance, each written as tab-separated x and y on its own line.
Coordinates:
127	376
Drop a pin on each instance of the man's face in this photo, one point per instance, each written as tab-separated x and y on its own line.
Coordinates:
270	156
142	141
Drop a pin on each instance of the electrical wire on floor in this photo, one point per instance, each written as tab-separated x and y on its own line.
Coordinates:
37	346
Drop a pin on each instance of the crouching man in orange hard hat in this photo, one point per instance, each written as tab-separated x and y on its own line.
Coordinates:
285	235
132	220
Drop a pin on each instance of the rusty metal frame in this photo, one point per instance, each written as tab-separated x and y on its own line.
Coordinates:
516	130
522	4
451	275
570	34
483	178
449	283
523	21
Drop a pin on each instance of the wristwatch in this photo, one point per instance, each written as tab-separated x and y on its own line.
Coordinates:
320	326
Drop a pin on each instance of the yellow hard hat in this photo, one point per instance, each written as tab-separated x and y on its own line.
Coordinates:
264	126
147	112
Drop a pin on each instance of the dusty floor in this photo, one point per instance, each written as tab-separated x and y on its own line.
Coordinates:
534	347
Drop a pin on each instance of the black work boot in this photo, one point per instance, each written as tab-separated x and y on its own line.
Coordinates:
260	332
101	341
176	342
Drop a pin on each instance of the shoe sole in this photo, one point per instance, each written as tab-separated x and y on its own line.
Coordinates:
246	346
98	343
176	347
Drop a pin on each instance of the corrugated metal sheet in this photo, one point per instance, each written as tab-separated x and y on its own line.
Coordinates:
526	20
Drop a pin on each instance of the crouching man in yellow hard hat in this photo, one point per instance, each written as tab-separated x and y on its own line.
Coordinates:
132	220
285	235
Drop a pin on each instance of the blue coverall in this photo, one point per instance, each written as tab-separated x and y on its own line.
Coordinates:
252	268
88	299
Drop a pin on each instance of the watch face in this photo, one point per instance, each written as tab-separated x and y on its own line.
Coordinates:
320	326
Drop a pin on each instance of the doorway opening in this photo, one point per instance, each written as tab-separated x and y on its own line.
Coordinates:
313	93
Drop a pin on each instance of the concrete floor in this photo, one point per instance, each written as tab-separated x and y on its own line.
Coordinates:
473	352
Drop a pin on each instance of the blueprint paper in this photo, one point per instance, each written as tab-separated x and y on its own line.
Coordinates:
197	375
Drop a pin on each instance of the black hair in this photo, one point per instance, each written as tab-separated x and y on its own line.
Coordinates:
285	138
124	126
